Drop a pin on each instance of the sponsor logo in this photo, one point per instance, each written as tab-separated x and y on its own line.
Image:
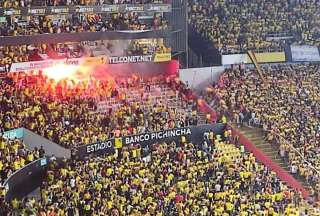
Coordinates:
157	135
36	10
59	10
134	8
109	8
84	9
129	59
99	146
163	57
12	12
160	8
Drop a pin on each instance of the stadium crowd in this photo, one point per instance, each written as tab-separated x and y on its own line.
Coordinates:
125	47
70	116
28	3
14	155
23	53
213	177
237	26
286	106
35	25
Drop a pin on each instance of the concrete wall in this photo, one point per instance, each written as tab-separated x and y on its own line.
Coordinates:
33	140
200	78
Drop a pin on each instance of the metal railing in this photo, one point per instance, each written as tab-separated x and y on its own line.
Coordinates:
282	139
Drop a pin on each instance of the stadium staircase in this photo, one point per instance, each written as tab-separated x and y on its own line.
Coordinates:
255	135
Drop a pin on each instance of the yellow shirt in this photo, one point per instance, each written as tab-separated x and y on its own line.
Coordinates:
30	157
15	204
2	145
16	165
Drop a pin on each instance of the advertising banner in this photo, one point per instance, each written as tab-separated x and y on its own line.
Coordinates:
305	53
261	58
163	57
38	65
234	59
25	11
193	134
268	57
3	69
13	134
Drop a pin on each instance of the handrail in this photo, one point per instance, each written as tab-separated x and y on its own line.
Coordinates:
296	150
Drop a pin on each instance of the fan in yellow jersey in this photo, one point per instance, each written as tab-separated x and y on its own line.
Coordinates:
168	186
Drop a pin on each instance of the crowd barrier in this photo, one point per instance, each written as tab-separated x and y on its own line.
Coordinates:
293	53
33	140
193	134
304	53
200	78
90	61
14	134
25	180
83	36
269	57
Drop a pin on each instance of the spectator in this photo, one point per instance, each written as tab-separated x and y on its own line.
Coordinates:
286	106
268	25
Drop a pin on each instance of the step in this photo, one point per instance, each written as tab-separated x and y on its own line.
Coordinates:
250	132
260	143
266	148
253	137
250	129
257	138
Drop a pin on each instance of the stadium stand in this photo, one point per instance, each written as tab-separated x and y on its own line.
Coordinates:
215	176
238	26
285	106
34	25
28	3
67	113
212	178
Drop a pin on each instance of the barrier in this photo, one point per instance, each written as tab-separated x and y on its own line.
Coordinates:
304	53
94	61
83	36
33	140
234	59
13	134
39	65
200	78
270	57
193	134
25	180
